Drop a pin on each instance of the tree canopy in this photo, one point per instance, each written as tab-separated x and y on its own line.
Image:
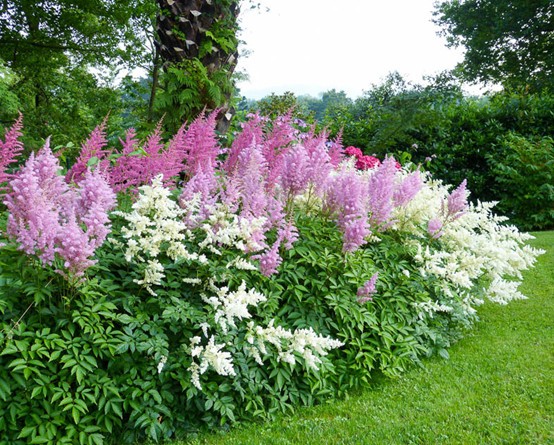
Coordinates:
510	42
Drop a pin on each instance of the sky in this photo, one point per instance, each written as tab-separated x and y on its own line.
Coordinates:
312	46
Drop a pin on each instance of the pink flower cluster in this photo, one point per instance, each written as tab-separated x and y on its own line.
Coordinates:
363	162
50	219
366	292
10	148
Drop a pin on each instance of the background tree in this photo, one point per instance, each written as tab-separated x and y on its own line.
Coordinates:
507	41
50	46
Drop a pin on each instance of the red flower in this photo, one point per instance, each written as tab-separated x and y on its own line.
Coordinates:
353	151
365	162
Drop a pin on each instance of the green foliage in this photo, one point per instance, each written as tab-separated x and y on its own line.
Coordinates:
276	105
525	178
506	42
317	287
494	389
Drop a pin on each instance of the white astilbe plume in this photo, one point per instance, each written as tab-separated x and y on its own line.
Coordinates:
209	356
224	228
232	306
304	342
475	247
155	224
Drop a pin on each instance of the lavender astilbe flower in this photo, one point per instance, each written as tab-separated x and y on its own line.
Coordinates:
252	133
366	292
251	173
346	198
407	189
381	191
270	259
457	201
296	171
75	247
10	148
96	199
320	166
201	187
275	146
93	147
289	234
434	228
200	145
336	150
47	218
33	219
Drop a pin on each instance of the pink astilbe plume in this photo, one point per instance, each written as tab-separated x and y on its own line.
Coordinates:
10	148
434	228
381	192
336	150
33	211
201	148
407	189
94	146
366	292
96	199
295	173
252	133
346	198
270	259
48	218
250	177
276	144
320	166
457	201
127	171
74	247
202	186
138	165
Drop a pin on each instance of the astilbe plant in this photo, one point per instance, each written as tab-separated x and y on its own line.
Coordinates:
46	216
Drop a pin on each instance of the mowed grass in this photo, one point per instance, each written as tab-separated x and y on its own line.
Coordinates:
496	388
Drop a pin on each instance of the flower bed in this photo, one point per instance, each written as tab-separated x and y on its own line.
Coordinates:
227	284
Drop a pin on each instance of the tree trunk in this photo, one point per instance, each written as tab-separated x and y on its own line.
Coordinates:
186	28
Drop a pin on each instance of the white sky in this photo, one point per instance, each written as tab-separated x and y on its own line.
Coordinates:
312	46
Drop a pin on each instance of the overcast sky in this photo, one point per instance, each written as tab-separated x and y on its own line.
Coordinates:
312	46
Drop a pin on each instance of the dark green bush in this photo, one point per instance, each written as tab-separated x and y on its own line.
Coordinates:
525	181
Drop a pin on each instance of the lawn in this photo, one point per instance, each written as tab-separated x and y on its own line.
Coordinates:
496	388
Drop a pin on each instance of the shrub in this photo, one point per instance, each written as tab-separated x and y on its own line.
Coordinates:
525	178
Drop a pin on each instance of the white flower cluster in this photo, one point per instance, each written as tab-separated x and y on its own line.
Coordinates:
210	355
304	342
225	228
231	306
155	224
474	248
430	307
